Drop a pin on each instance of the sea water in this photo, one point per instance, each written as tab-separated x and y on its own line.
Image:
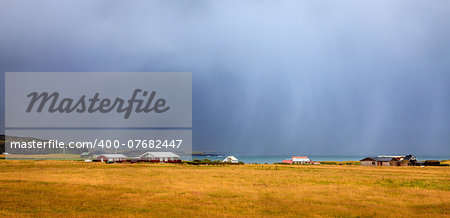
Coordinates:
279	158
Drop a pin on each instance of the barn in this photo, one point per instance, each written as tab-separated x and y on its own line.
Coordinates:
160	157
111	157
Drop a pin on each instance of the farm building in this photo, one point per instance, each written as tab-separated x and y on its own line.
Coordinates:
411	160
407	160
95	154
379	161
86	155
300	160
231	159
287	161
160	157
111	157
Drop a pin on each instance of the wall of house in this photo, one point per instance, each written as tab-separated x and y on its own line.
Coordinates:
386	163
299	162
368	163
394	163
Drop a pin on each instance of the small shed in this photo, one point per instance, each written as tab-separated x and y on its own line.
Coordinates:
160	156
111	157
230	159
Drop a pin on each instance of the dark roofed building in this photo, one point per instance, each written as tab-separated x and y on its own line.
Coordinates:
408	160
379	161
410	157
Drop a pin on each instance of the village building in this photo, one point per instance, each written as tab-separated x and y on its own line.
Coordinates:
383	160
160	157
111	157
230	159
300	160
411	159
378	161
95	154
86	155
287	161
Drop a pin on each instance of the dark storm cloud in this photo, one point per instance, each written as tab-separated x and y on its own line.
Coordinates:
280	77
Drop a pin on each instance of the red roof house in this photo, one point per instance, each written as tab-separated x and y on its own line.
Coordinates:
287	161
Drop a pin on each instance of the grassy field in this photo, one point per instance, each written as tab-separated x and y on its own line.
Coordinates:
45	156
76	188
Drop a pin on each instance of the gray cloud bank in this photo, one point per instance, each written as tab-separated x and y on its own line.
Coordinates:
269	77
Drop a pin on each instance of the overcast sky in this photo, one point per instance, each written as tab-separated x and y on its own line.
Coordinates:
269	77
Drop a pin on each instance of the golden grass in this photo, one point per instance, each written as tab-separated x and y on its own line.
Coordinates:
74	188
340	162
45	156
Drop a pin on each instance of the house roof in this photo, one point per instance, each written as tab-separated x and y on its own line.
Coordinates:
85	153
159	154
287	161
382	159
230	157
114	155
300	157
396	156
410	157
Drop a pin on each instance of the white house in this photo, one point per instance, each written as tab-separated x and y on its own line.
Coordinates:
300	160
160	156
111	157
230	159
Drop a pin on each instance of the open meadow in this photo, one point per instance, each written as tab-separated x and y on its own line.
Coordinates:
75	188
